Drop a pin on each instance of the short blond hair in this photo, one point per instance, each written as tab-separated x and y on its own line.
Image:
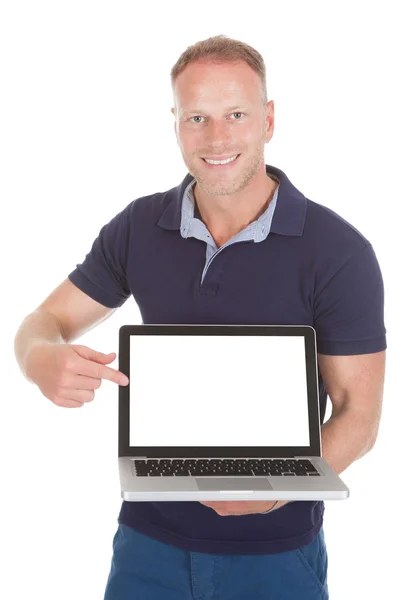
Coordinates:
221	48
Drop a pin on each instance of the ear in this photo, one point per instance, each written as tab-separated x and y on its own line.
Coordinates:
175	126
270	120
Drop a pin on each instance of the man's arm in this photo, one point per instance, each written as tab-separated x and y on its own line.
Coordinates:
66	314
355	386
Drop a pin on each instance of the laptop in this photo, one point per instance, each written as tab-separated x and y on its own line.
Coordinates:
221	412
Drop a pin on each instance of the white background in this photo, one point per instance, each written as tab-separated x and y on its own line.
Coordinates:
86	128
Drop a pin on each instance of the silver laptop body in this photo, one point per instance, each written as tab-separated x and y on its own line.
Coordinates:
221	412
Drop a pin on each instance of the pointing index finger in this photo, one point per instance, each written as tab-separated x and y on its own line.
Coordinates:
97	370
113	375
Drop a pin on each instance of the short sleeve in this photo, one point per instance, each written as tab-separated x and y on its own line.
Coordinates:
102	274
349	309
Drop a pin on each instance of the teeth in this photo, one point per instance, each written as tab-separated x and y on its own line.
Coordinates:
220	162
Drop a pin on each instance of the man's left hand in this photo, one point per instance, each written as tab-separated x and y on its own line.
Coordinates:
242	507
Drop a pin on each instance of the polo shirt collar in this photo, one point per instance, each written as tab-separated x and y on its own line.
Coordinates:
288	217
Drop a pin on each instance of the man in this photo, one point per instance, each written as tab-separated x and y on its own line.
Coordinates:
234	243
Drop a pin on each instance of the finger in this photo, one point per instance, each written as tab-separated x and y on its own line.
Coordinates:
98	371
80	382
68	403
77	395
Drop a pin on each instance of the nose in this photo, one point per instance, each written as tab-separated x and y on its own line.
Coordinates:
218	134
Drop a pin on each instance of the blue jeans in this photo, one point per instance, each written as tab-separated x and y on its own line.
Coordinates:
145	569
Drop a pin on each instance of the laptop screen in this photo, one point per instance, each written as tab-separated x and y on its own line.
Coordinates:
218	391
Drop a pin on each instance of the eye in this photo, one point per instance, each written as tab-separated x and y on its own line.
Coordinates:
199	117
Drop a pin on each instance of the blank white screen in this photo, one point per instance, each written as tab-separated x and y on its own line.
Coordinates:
218	391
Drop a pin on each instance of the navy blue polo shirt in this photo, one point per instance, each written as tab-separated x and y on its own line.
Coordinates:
300	263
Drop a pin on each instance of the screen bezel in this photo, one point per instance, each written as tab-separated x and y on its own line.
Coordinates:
309	334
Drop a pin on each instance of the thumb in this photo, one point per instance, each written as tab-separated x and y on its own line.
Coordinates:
94	355
105	358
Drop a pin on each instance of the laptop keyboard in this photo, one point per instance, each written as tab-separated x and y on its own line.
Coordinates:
284	467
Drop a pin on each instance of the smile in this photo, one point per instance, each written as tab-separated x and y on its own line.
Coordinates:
221	163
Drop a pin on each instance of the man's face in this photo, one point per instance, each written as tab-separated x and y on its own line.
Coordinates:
220	114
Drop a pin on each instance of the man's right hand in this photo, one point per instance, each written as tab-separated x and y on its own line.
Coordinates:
68	374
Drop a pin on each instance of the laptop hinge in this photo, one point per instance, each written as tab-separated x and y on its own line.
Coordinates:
290	456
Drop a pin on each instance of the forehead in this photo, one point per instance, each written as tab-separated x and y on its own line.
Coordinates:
217	82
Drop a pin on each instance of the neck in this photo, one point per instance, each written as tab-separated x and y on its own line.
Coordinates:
225	216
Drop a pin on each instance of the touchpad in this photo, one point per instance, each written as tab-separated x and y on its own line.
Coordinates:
233	483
